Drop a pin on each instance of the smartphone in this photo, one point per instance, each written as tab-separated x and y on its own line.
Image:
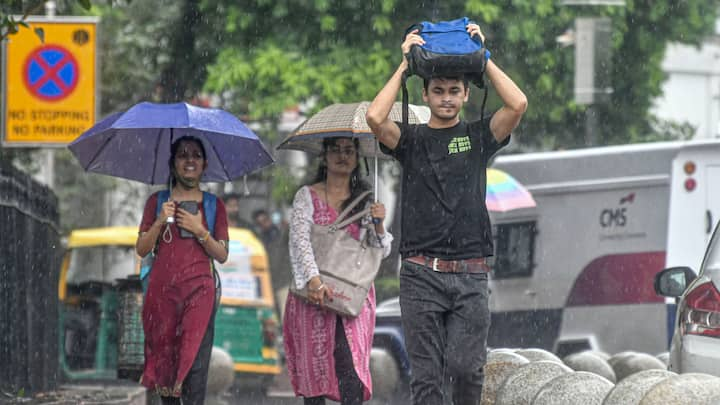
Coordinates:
191	207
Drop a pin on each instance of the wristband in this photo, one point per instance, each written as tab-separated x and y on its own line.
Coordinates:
204	239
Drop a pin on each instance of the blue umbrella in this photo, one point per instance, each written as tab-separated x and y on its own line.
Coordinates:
135	144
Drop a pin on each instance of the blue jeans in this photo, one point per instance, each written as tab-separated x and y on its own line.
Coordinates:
445	319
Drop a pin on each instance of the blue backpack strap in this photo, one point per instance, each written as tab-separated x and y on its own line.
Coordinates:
210	208
146	265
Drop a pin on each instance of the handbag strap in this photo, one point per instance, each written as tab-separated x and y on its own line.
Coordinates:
340	221
352	219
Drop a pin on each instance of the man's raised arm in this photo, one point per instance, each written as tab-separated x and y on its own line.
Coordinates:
514	103
514	100
378	112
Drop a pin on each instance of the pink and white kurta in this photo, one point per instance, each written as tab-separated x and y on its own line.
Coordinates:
308	330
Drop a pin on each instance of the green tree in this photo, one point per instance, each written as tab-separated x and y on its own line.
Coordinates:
277	54
144	55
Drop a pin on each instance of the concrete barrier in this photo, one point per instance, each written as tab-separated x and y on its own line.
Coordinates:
683	389
384	372
635	362
619	356
590	362
500	364
221	373
580	387
664	357
633	388
538	355
714	400
522	384
600	354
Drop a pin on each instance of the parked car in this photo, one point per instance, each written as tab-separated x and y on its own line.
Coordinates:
695	344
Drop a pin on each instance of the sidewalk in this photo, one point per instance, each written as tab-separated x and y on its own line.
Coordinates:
120	393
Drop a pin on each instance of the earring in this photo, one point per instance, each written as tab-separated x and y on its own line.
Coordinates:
353	181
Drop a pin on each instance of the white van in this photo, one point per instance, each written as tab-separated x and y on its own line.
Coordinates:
576	272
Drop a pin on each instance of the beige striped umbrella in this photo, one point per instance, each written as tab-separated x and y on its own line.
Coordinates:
348	120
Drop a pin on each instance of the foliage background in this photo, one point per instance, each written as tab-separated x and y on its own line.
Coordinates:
260	58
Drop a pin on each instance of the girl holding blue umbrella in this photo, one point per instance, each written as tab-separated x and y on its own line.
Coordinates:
178	314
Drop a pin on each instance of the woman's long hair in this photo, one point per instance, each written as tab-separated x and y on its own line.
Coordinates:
174	150
357	185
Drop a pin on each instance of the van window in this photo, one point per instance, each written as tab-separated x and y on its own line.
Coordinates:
514	249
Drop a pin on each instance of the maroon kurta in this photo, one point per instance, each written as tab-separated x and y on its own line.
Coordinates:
178	303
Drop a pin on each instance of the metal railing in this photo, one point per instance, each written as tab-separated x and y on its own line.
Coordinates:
30	255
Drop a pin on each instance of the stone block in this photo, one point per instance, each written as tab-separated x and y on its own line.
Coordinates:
633	388
635	362
683	389
522	384
500	364
580	387
590	362
538	355
221	373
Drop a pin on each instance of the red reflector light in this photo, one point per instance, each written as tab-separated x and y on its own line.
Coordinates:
690	184
700	313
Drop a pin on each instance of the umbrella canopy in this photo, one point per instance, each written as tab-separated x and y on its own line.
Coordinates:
346	120
504	193
135	144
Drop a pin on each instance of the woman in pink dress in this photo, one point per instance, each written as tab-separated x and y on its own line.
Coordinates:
178	312
328	356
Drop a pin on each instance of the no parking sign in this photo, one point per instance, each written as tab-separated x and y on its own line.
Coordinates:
50	88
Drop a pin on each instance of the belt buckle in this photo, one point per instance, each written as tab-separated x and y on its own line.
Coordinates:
434	264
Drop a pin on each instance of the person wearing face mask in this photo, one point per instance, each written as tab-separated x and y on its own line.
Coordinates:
328	356
179	309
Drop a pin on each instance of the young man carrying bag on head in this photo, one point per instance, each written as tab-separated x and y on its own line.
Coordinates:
446	233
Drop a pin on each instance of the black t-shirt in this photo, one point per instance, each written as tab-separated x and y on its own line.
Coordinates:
443	189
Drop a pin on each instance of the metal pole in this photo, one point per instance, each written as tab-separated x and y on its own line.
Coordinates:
49	169
591	123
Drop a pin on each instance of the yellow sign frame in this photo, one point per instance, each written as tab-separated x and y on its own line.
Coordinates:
35	117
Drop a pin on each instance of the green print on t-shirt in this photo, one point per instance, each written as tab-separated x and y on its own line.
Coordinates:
459	144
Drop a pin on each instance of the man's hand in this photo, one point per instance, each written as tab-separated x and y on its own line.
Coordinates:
474	29
411	39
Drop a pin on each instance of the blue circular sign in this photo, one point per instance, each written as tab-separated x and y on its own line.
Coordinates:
51	73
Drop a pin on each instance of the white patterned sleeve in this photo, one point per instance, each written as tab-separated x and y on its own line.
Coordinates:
302	258
384	241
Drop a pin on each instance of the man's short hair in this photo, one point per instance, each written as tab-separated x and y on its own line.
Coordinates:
259	212
462	78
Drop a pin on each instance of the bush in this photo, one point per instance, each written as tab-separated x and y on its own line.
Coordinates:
386	287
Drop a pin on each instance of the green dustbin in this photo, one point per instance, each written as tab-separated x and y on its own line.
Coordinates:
131	338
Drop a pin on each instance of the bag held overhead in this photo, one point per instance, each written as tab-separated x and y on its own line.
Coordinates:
448	51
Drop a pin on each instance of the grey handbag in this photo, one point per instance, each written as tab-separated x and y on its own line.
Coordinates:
347	266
